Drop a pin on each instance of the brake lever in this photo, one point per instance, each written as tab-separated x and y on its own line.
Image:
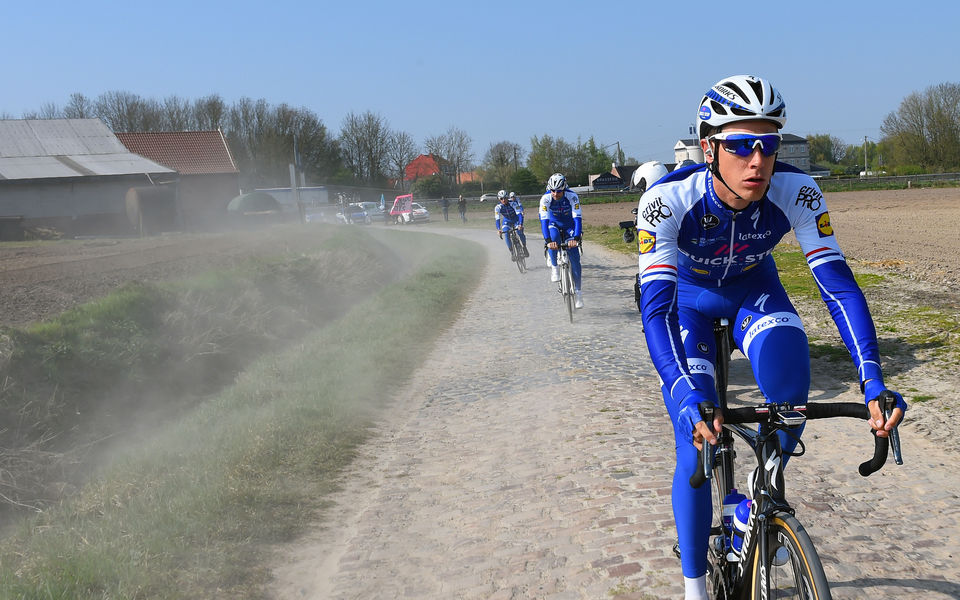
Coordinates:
707	454
888	401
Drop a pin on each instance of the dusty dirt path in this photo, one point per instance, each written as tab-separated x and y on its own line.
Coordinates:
533	459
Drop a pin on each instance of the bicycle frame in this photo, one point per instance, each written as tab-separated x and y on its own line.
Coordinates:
768	493
565	286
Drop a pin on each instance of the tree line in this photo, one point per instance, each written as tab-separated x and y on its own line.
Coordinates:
922	135
265	138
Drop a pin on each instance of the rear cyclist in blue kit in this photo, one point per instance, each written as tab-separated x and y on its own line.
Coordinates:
707	233
562	219
506	217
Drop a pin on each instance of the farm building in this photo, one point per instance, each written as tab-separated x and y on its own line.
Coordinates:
209	178
70	174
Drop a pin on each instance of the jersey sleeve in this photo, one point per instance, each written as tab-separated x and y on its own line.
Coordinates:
496	216
544	213
838	288
577	214
657	235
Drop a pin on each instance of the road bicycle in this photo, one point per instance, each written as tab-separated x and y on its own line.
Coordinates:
516	250
777	558
629	235
565	286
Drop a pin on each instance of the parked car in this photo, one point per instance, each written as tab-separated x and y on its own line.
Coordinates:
490	197
419	214
373	210
353	213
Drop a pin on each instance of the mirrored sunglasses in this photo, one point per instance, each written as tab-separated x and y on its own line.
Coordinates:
743	144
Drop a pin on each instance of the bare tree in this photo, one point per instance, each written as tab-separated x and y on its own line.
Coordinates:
452	146
126	111
177	114
363	141
210	112
79	107
400	152
436	145
49	110
459	150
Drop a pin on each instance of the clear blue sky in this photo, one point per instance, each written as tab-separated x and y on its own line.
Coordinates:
627	71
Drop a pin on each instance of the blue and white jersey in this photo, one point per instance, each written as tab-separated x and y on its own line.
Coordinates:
564	212
688	236
518	208
504	214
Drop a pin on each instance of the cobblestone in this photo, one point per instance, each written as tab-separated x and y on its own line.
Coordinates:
535	461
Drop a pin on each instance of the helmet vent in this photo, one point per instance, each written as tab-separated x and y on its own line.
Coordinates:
718	108
741	112
735	88
757	89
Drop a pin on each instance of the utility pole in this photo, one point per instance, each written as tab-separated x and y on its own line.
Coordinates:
865	166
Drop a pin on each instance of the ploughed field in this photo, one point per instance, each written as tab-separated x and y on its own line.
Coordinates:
915	231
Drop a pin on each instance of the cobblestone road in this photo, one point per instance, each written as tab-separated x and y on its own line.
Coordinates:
532	458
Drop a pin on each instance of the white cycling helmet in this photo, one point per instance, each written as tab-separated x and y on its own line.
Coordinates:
513	194
556	182
740	98
501	194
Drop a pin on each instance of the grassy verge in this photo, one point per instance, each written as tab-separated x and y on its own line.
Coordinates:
189	511
76	380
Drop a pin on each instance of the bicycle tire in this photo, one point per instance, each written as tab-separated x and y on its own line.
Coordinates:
517	250
567	279
801	576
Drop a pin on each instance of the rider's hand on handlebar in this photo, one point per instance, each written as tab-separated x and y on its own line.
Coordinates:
500	233
572	243
878	421
691	421
552	245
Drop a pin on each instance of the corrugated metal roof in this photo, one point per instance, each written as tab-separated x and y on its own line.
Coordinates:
188	152
55	148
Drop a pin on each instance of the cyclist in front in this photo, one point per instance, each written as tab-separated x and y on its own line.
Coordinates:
506	217
560	212
706	235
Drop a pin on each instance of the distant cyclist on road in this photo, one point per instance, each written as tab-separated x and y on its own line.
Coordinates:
506	218
560	213
706	233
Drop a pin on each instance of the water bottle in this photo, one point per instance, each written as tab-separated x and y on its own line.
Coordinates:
740	517
730	503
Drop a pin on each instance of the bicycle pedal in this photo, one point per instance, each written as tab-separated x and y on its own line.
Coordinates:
676	549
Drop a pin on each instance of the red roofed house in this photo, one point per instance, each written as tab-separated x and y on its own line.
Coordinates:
428	165
209	177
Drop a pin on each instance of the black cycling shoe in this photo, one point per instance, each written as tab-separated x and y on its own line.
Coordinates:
526	253
513	258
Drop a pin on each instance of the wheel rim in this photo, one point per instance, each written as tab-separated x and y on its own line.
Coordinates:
797	577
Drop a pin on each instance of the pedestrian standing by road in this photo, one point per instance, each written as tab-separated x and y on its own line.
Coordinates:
706	236
445	206
462	207
561	218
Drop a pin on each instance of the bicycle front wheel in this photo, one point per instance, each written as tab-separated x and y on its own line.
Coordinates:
517	250
567	278
795	569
